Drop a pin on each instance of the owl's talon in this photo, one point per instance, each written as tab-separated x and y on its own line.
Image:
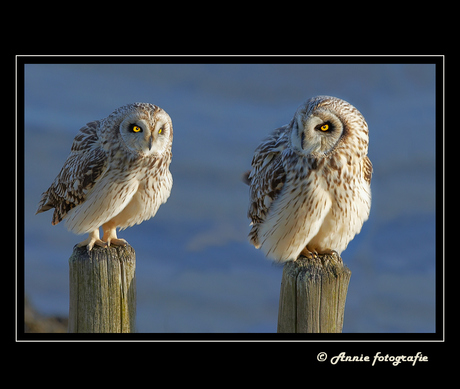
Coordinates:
110	235
310	254
314	253
117	242
326	252
98	242
93	239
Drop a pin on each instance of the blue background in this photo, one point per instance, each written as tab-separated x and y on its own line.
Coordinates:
196	272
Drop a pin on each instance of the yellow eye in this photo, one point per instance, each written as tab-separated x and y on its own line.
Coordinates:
160	130
325	127
135	128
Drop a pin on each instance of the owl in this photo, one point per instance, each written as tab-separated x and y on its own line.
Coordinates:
310	182
116	175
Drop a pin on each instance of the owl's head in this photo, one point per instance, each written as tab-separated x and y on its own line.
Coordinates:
323	124
145	129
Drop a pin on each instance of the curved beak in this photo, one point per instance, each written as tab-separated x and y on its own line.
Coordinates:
150	142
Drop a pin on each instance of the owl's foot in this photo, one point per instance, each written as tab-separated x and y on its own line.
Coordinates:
93	239
117	242
110	236
328	252
310	254
313	253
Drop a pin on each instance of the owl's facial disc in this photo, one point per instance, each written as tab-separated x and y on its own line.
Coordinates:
319	132
144	135
159	136
161	133
136	134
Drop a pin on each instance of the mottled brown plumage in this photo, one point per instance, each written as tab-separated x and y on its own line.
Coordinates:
117	174
310	182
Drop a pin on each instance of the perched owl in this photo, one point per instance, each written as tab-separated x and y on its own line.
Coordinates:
117	174
310	182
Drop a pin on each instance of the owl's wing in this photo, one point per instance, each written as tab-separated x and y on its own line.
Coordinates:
266	179
83	167
366	169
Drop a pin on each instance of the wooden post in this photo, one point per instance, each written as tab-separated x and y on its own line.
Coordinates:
102	289
313	294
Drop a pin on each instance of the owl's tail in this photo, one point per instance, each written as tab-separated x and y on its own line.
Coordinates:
44	204
245	178
48	201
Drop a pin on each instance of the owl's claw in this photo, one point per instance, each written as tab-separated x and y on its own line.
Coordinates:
93	239
117	242
328	252
333	252
110	236
312	253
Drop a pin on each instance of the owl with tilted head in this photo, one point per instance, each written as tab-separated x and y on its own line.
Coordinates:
116	175
310	182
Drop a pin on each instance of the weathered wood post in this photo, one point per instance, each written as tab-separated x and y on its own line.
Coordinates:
313	294
102	289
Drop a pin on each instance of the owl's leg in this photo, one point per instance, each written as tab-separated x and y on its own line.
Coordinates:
110	235
93	239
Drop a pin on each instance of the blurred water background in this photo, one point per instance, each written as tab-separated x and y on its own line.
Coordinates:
196	272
